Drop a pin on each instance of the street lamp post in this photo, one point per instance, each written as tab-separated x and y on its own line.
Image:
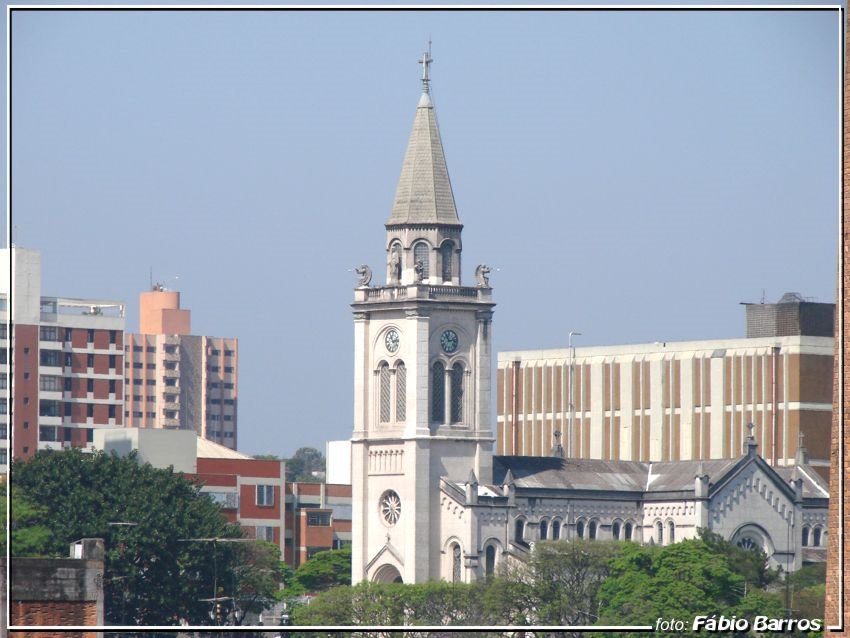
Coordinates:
572	399
216	599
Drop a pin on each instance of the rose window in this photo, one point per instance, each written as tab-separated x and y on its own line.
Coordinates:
390	507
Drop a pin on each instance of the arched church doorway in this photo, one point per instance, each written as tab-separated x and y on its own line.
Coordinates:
387	574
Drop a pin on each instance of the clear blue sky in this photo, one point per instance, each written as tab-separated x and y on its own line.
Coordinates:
632	175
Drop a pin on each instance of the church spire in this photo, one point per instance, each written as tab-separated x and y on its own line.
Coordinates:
424	192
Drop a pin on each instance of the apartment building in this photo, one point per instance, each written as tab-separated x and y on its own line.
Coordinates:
678	400
67	358
177	380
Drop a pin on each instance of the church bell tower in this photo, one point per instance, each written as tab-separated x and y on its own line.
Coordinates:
422	359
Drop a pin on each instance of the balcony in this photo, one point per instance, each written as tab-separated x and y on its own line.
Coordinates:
422	291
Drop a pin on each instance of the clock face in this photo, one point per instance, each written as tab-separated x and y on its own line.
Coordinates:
448	340
392	340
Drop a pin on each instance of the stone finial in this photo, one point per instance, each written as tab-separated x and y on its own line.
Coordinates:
750	445
472	479
365	275
481	278
802	455
557	448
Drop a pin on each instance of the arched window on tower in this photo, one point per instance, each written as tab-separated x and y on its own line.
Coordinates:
659	533
490	561
816	534
556	530
438	393
385	393
519	531
446	257
421	252
400	392
806	536
455	563
627	532
671	532
544	528
457	393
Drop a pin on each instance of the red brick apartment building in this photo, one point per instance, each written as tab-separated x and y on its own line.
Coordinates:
318	518
67	356
300	518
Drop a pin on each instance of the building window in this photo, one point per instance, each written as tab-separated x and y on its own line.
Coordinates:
112	411
46	357
45	407
4	459
90	360
137	348
420	254
805	536
112	386
519	531
659	533
138	366
265	533
385	393
627	532
265	495
151	398
228	369
457	393
4	381
69	333
89	385
4	331
615	530
89	410
151	382
49	333
4	433
556	530
137	382
400	392
816	537
112	361
113	335
90	335
490	561
591	530
455	563
446	251
214	368
544	529
169	349
137	397
580	529
49	383
228	417
319	519
228	353
438	392
170	382
150	350
169	365
152	366
671	532
47	433
151	415
228	385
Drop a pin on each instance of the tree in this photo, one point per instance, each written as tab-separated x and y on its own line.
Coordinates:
303	464
680	581
160	565
324	570
566	577
29	536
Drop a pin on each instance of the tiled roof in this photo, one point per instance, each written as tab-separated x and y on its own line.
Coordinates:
424	192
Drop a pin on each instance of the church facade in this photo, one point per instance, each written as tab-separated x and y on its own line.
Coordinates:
429	499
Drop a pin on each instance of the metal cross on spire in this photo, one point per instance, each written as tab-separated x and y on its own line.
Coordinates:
425	61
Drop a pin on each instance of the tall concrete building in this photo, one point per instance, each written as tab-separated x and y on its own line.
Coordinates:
67	357
678	400
178	380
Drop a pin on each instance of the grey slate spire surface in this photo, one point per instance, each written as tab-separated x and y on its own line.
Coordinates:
424	192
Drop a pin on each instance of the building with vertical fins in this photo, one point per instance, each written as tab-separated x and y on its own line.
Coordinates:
669	401
178	380
431	501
